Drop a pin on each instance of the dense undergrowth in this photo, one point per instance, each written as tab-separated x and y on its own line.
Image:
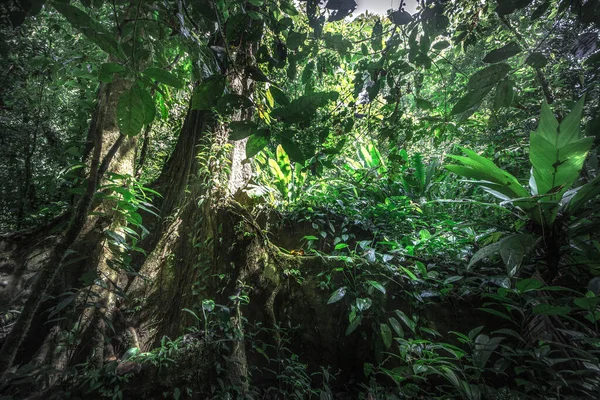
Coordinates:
272	200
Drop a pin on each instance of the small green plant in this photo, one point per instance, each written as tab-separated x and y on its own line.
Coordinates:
124	197
105	382
280	178
418	178
293	380
208	306
163	356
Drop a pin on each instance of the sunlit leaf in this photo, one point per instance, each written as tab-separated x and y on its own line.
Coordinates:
558	151
256	142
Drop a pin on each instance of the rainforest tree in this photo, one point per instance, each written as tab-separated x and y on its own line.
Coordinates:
265	199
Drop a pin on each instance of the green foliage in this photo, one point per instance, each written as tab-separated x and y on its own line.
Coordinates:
135	109
94	31
347	122
208	92
557	153
163	76
304	107
503	53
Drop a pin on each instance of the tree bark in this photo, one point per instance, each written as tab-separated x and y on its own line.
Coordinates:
109	149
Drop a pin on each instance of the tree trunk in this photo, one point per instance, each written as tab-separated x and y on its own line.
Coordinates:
204	245
109	150
190	242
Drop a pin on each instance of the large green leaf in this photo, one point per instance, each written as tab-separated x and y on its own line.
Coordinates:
401	17
386	335
484	347
583	194
547	309
480	168
105	74
208	93
279	177
536	60
512	249
288	7
353	325
376	39
470	100
441	45
90	28
132	111
337	295
242	129
488	76
509	6
479	85
284	164
293	150
295	40
256	74
279	96
528	285
338	43
307	72
397	327
503	53
304	107
149	108
256	142
540	10
412	325
504	94
163	76
557	152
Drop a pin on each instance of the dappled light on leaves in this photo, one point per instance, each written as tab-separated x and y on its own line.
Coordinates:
286	199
